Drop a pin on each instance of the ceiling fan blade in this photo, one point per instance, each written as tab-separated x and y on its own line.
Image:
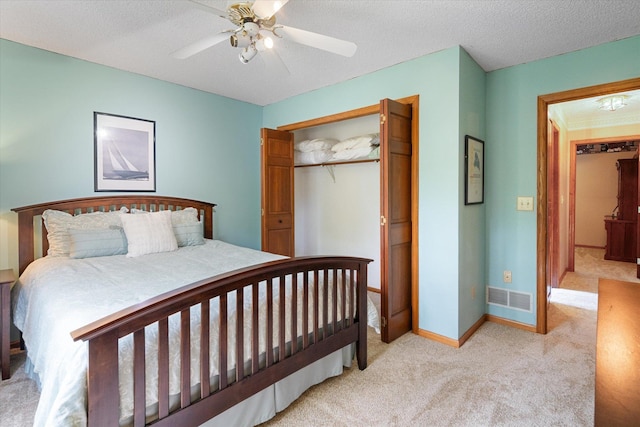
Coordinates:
267	8
201	45
319	41
221	13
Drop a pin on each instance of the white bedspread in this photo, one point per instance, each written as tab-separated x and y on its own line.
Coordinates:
49	303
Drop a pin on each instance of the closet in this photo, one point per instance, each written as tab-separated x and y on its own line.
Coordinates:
365	206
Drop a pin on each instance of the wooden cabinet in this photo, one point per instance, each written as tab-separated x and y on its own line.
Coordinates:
622	231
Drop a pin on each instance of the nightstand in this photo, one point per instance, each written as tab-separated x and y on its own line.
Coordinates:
6	280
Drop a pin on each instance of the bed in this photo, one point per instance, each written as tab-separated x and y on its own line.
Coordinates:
156	336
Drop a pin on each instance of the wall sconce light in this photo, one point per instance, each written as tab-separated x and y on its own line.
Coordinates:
613	103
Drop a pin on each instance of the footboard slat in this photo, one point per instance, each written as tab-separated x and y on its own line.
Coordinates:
269	322
325	304
316	307
205	336
282	327
223	342
305	310
139	378
294	313
334	312
185	358
239	334
163	367
315	316
255	328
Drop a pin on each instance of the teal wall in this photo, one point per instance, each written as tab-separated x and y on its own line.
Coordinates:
207	146
471	238
512	95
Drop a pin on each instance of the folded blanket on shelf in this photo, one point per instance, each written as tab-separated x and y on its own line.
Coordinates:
312	157
318	144
353	153
357	142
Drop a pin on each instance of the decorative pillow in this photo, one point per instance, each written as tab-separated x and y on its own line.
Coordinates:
97	242
189	234
59	223
184	216
149	233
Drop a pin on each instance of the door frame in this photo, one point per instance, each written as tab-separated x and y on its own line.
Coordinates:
543	252
414	101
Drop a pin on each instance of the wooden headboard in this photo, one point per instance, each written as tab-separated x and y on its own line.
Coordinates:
152	203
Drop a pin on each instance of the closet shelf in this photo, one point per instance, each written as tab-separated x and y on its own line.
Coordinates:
345	162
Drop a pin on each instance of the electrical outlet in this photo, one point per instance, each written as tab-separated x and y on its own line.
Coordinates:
506	276
525	203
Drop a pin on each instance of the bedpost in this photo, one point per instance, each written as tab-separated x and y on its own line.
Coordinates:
361	345
103	393
25	238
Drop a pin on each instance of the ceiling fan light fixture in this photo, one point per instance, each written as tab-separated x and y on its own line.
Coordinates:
240	39
247	54
251	28
612	103
264	43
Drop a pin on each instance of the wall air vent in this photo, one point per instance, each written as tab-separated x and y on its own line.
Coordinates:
510	299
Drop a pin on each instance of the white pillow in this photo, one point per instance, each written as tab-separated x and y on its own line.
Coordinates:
59	223
149	233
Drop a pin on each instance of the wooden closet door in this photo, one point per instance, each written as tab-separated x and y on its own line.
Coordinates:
395	220
276	158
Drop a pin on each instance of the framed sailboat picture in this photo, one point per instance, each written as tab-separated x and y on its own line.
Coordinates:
125	156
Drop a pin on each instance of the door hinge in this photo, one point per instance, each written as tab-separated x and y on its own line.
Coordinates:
383	321
262	211
383	220
261	141
383	119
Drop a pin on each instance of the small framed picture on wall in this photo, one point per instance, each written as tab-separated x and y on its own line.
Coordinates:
474	170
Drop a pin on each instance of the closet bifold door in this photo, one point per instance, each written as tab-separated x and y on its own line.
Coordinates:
395	218
276	168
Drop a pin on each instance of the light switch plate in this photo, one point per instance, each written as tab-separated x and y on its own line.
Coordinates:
525	203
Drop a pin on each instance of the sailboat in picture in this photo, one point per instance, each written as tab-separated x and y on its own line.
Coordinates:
121	168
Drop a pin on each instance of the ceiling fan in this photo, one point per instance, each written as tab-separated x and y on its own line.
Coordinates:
255	24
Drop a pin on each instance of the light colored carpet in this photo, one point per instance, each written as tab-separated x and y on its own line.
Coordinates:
591	265
500	377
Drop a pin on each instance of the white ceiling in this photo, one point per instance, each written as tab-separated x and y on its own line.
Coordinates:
140	35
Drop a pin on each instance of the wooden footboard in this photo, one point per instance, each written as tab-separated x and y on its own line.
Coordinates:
327	324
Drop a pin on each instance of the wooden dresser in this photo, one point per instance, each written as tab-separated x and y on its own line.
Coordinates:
617	394
622	231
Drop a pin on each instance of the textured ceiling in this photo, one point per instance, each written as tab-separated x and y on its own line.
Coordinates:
139	36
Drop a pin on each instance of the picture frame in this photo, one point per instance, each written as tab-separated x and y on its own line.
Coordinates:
473	170
124	153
